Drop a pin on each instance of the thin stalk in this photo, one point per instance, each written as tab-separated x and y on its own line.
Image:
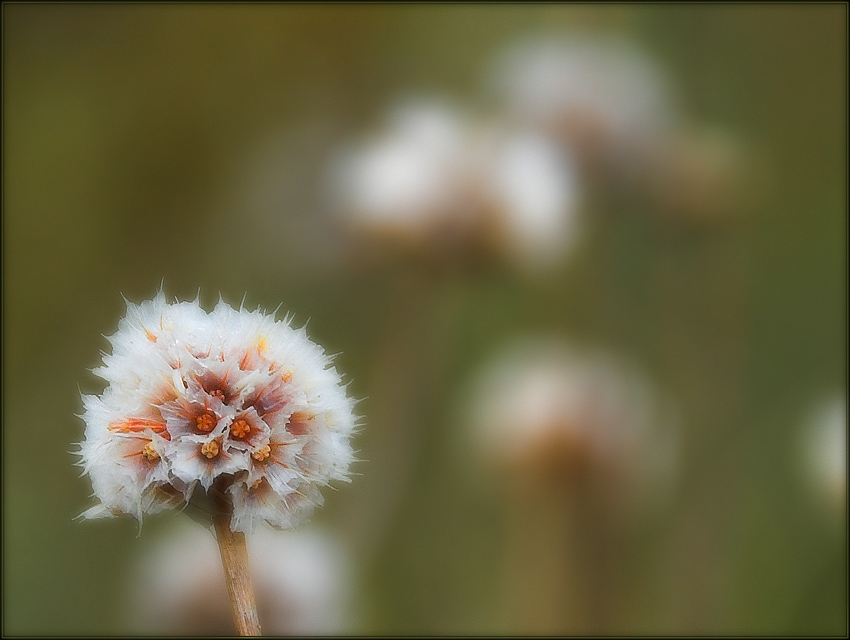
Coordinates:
234	558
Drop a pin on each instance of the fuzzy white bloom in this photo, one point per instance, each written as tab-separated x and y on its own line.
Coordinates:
602	95
533	194
824	446
436	178
303	582
192	397
405	180
543	405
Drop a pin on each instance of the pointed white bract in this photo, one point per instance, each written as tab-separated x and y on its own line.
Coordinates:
192	397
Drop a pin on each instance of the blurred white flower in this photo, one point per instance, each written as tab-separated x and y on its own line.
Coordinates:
603	96
825	451
438	180
533	195
302	580
546	407
193	397
612	106
406	180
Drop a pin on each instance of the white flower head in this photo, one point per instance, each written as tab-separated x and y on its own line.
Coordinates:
193	397
545	406
405	181
532	195
824	448
603	95
439	181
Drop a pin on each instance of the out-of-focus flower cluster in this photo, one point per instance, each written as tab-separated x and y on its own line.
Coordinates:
302	582
615	108
568	112
195	397
603	97
545	406
824	445
436	180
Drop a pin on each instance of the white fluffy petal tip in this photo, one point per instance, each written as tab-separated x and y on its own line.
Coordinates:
193	396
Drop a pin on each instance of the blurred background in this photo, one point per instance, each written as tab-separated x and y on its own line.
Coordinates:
586	266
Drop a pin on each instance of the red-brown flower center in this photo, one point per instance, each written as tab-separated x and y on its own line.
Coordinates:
240	428
206	422
210	449
262	454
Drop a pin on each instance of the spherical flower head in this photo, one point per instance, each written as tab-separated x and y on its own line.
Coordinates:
546	409
405	183
603	95
194	397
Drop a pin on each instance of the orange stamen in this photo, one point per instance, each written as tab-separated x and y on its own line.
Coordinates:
210	449
206	422
262	454
240	428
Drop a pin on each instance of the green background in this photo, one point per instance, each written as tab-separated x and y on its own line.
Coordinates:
151	143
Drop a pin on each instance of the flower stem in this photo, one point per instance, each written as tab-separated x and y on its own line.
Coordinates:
234	557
